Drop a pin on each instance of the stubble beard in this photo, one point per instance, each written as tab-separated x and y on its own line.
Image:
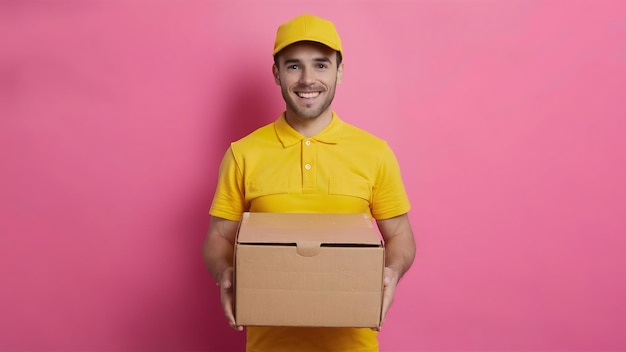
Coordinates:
304	112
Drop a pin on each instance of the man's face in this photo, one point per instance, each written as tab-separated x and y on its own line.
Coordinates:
307	73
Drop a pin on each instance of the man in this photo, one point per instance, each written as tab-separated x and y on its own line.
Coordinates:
309	161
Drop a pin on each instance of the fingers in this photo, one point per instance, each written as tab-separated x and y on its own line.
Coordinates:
226	296
390	280
388	294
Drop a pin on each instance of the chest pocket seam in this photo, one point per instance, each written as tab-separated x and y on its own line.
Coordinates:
265	188
353	187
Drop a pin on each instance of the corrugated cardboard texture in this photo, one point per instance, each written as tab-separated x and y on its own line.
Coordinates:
278	284
319	228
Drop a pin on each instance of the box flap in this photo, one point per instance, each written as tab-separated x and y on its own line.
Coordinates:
307	229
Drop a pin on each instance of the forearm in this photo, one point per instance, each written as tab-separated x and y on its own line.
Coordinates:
218	255
219	246
399	243
400	253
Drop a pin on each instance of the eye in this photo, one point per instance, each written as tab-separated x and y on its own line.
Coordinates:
321	66
293	67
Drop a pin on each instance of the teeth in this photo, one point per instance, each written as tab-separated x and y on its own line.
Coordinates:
308	94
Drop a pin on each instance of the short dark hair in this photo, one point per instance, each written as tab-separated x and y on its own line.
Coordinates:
339	58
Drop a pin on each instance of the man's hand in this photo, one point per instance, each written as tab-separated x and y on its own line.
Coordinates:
399	255
390	281
226	296
218	255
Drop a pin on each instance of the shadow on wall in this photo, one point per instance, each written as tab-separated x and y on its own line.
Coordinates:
189	316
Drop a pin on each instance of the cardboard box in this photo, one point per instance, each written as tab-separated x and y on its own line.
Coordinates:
308	270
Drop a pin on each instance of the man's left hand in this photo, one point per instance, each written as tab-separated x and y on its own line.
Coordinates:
390	281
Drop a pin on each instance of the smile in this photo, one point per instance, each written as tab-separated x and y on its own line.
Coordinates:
308	95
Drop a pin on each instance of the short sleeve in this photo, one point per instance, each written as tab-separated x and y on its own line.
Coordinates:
229	200
389	196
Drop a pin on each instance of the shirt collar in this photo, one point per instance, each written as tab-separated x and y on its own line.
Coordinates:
288	136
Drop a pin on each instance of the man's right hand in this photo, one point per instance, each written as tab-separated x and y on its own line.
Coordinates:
226	296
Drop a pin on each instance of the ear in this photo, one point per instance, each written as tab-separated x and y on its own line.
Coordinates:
276	74
340	73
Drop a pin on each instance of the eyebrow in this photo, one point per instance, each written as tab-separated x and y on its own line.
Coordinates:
297	61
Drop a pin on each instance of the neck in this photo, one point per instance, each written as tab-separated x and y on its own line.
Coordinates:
309	127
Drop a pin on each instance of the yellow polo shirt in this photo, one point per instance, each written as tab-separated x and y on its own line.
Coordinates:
342	169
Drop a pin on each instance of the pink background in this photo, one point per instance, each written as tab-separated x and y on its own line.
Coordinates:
508	119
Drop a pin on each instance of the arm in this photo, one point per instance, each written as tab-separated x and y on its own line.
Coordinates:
218	256
399	254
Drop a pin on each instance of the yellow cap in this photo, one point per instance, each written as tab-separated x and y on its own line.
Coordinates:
307	28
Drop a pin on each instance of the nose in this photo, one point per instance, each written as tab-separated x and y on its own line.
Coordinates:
307	77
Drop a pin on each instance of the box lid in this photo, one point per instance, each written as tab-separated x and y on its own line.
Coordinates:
308	228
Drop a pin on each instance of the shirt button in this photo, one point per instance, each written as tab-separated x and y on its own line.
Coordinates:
307	143
307	166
